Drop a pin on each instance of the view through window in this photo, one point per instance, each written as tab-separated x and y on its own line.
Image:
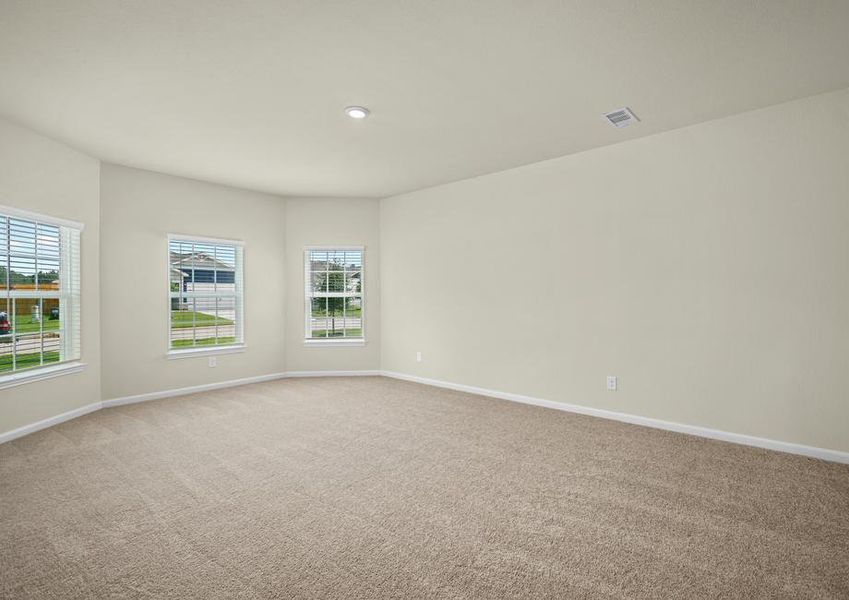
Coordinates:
334	293
40	287
205	293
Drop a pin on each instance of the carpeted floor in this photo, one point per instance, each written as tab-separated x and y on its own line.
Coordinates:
375	488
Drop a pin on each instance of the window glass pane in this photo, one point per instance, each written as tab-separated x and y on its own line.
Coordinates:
336	281
22	271
225	268
27	331
354	260
6	346
353	282
21	237
319	307
182	318
203	269
319	282
225	321
335	260
47	277
51	318
47	241
47	257
182	262
318	318
353	317
335	317
225	257
205	312
205	321
318	260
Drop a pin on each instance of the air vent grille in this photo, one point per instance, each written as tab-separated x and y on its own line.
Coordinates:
622	117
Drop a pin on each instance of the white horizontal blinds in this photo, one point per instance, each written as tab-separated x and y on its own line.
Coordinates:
40	288
70	287
206	293
334	293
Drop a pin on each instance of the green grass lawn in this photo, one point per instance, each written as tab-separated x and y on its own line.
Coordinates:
25	324
202	342
320	333
25	361
187	319
351	312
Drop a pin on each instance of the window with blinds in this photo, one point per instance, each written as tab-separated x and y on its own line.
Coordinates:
40	287
334	293
206	293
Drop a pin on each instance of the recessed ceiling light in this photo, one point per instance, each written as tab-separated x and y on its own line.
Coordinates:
357	112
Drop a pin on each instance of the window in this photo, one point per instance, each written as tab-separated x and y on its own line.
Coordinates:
40	286
333	280
205	293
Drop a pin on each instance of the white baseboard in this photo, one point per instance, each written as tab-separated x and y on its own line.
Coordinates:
8	436
190	390
230	383
714	434
78	412
333	373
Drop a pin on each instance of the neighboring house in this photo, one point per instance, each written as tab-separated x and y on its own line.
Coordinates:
198	272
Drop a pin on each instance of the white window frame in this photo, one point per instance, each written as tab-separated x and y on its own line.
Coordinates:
332	342
239	345
71	325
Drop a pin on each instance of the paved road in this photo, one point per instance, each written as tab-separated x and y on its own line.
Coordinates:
201	333
28	343
322	323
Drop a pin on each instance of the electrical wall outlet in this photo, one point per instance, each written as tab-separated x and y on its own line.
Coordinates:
213	361
611	383
418	357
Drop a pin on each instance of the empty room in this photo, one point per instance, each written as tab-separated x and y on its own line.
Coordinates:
311	299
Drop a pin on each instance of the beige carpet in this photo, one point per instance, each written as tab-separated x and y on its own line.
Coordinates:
375	488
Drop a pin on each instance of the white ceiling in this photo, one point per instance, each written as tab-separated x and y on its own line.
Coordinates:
252	93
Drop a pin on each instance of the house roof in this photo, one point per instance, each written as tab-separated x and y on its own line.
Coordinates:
197	260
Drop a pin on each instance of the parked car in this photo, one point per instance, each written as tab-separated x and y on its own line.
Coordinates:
5	328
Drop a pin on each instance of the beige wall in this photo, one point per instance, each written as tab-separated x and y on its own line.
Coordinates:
41	175
707	267
331	222
138	210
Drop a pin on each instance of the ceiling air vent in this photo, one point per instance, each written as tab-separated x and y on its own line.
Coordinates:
622	117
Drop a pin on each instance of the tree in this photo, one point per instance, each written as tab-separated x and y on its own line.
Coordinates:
334	306
20	278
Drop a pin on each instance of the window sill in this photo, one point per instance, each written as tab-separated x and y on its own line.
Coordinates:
40	373
319	343
211	351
